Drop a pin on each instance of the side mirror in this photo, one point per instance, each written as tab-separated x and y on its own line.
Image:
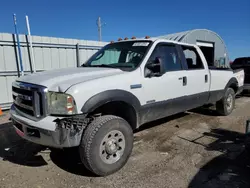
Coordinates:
155	68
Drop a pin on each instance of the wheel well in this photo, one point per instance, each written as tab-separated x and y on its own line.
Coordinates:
121	109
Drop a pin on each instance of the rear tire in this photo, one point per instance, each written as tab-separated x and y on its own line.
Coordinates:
226	105
106	145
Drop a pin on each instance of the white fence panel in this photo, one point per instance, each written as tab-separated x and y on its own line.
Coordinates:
49	53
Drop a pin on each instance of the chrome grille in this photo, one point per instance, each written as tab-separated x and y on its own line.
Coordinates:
30	99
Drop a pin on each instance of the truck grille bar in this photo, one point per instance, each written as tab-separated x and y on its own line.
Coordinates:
30	99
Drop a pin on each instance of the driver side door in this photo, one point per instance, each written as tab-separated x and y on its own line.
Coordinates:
164	95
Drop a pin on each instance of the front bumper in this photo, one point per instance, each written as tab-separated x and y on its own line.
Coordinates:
49	131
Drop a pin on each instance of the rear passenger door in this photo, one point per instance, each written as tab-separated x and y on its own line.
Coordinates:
198	77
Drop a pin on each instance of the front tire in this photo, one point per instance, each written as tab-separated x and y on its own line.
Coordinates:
106	145
226	105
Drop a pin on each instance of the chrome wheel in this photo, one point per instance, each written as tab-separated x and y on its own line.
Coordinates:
112	147
229	102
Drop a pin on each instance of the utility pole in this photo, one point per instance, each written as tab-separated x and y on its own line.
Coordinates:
99	25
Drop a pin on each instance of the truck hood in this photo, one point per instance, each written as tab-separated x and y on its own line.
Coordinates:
61	79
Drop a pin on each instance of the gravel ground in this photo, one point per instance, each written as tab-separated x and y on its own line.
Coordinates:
193	149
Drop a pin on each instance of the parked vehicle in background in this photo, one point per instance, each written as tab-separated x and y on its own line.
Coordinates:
124	85
243	63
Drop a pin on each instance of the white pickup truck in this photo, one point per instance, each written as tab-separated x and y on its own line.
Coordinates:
127	83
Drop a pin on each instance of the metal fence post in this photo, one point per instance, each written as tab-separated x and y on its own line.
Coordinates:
28	49
77	55
16	56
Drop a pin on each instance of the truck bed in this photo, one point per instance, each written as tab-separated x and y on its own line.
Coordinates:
224	69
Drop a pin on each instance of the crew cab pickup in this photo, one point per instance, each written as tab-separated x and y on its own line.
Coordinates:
127	83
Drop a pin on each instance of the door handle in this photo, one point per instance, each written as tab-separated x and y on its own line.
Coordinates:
206	78
184	81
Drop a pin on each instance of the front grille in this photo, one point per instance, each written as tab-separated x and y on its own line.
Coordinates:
22	91
29	99
26	111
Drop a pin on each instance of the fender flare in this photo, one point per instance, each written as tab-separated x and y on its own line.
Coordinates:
232	81
110	96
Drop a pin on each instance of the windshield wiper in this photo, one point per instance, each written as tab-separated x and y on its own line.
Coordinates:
85	65
104	65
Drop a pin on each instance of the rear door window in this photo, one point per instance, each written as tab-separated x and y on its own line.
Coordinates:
192	58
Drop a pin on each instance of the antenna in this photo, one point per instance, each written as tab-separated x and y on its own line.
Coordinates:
100	25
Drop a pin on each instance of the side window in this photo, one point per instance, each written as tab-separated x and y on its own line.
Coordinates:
169	56
192	58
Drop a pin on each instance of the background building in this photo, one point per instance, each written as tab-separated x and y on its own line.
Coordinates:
210	43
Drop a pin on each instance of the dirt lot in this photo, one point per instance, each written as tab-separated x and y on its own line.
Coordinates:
193	149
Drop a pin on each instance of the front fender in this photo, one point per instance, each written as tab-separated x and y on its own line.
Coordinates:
109	96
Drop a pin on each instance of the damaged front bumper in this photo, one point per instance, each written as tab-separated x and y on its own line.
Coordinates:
50	131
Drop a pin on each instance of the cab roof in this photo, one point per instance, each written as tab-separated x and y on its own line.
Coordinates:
155	39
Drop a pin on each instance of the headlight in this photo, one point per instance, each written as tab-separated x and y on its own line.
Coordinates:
61	104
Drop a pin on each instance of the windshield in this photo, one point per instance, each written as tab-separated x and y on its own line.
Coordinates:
124	55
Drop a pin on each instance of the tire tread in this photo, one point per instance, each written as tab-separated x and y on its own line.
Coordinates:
220	105
88	137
